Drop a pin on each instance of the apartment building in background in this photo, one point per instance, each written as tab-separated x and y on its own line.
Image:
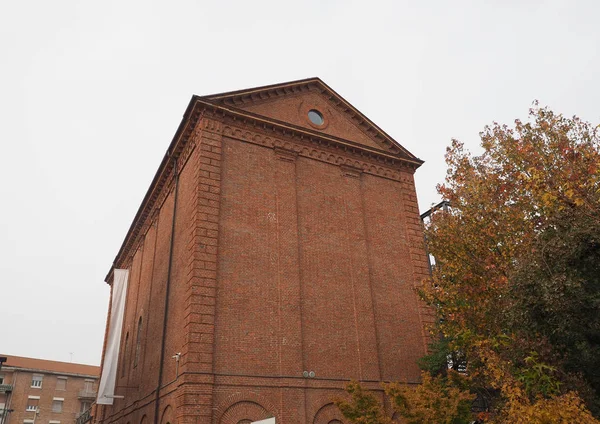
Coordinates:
37	391
273	259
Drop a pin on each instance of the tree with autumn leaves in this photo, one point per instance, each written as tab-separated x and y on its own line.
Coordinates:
516	282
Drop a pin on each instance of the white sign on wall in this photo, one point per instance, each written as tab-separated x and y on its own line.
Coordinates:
267	421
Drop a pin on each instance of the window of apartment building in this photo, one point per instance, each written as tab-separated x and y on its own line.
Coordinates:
57	404
32	403
28	421
36	381
53	422
61	383
85	405
1	410
88	386
138	342
1	379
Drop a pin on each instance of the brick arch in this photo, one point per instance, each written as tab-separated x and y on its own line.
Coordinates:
321	401
244	412
167	416
235	398
328	413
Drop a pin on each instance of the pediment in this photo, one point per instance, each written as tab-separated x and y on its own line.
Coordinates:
291	103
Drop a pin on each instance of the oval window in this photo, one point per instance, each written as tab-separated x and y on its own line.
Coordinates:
315	117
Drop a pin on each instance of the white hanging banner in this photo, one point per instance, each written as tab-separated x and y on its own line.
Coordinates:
106	389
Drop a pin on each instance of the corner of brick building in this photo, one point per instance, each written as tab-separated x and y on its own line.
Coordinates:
289	255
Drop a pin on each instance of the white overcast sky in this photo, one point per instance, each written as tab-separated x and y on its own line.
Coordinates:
91	93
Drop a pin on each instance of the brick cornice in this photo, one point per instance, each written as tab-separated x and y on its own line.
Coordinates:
330	153
275	128
269	93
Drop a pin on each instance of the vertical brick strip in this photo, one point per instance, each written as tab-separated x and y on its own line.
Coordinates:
371	297
360	275
288	284
416	243
195	400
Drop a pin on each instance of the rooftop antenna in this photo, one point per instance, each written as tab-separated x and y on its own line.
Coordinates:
71	353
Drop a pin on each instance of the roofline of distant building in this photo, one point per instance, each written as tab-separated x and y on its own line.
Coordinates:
48	366
43	371
444	204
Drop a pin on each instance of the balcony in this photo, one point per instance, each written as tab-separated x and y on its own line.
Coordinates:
6	388
84	417
87	394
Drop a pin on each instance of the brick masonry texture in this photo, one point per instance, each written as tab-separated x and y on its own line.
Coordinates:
295	248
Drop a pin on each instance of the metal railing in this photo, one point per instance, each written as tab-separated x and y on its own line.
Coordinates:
87	394
84	417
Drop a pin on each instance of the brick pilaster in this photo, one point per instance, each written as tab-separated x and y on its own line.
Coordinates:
195	400
290	347
416	243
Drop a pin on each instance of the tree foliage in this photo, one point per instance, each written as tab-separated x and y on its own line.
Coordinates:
519	256
440	400
362	407
516	286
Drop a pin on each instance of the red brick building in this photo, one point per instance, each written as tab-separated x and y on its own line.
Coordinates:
272	260
37	391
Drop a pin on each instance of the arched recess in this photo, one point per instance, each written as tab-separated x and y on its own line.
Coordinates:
124	356
138	343
239	397
243	412
328	413
144	419
167	416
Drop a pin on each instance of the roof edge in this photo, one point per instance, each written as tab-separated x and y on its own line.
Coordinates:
45	371
299	129
261	88
49	366
161	169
